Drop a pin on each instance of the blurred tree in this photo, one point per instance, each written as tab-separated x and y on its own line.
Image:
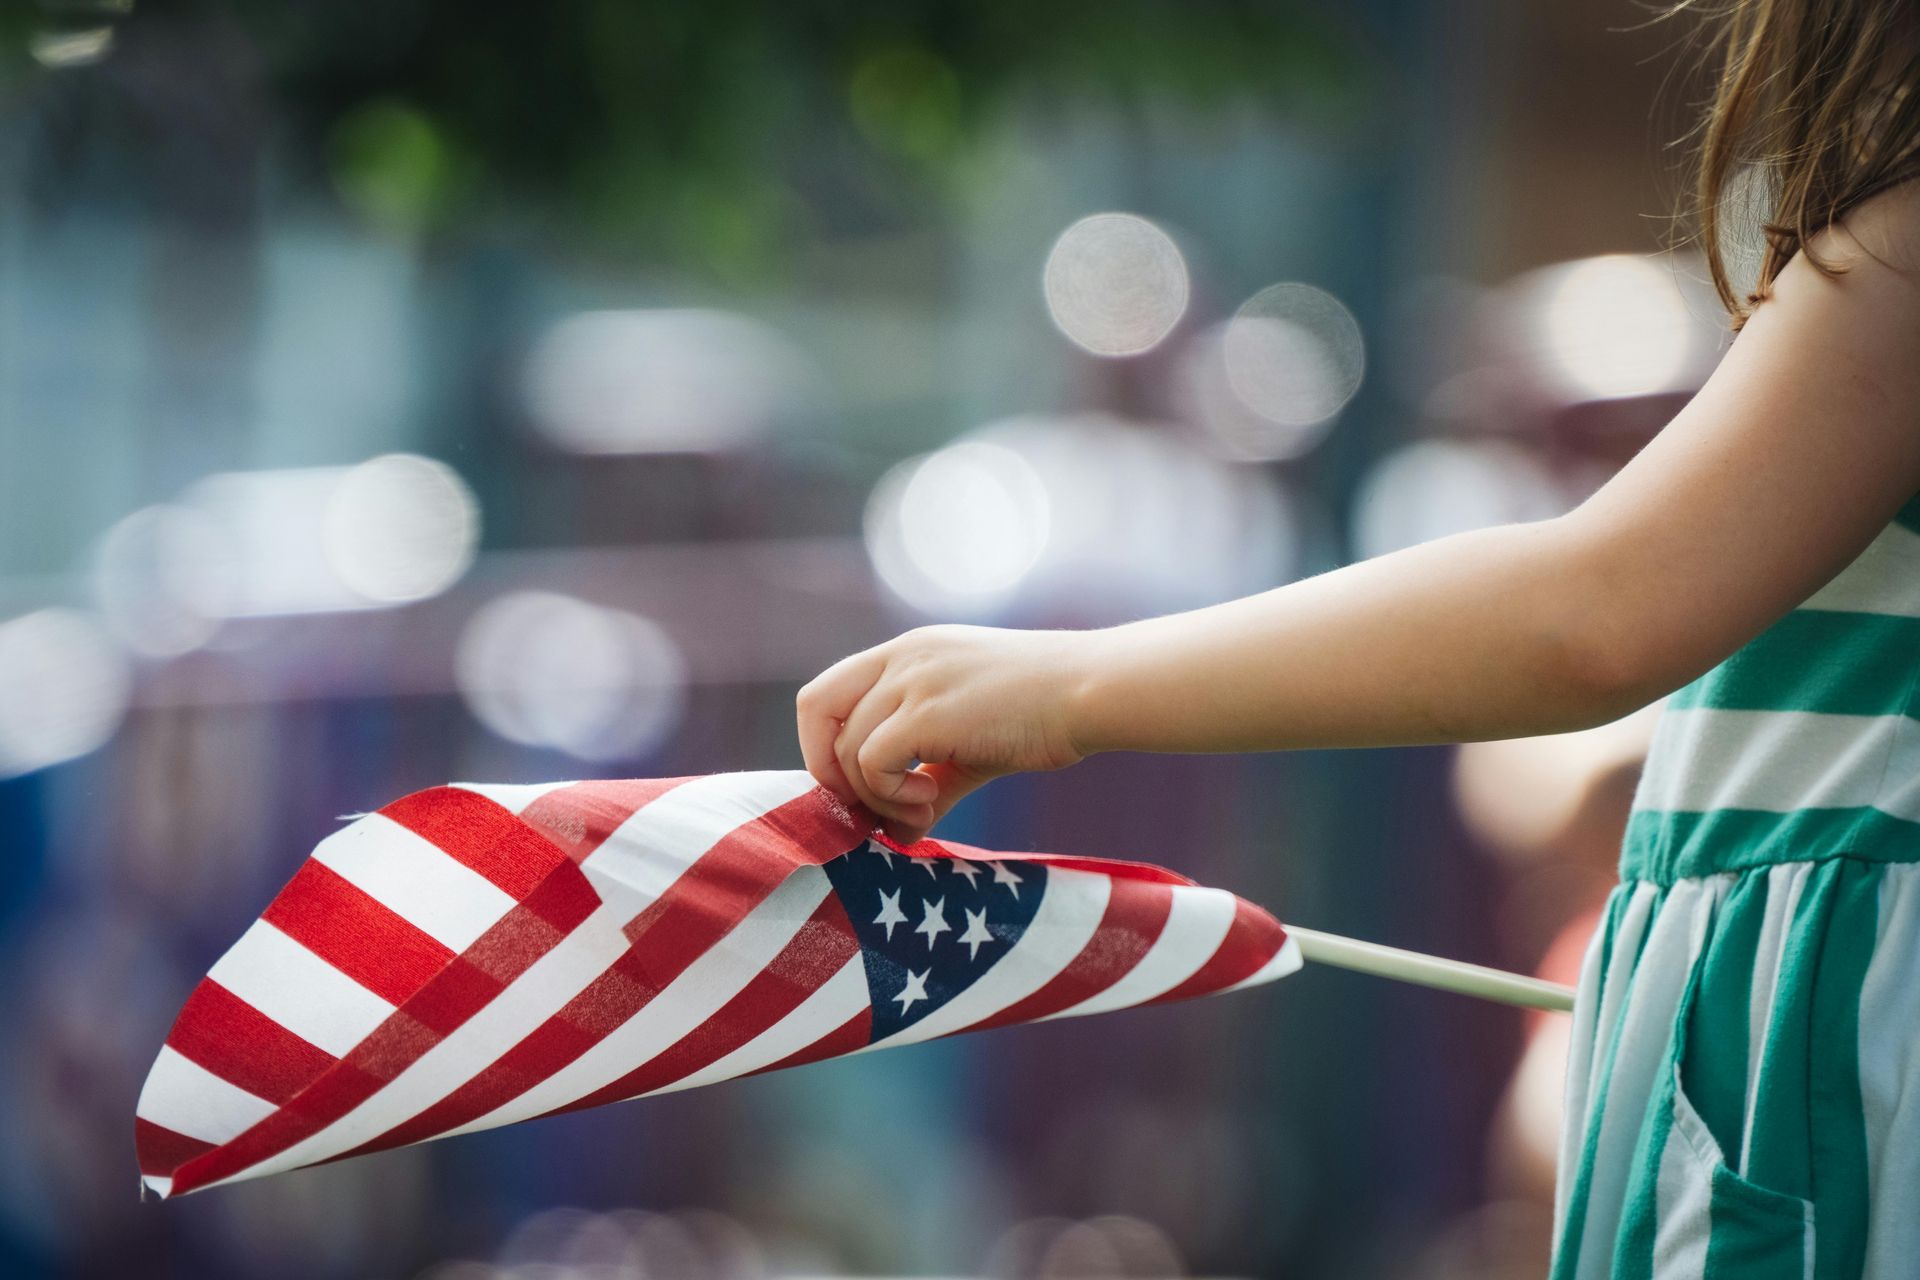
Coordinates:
711	133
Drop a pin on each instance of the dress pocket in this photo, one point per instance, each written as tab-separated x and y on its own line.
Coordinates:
1711	1221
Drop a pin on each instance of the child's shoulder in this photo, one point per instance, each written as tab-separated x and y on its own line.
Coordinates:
1885	228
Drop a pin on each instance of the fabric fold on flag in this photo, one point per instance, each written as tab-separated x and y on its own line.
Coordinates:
474	955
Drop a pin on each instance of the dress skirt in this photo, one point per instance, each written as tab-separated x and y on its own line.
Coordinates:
1743	1089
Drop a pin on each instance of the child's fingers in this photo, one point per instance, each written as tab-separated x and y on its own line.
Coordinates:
873	709
816	749
954	782
820	708
886	758
899	813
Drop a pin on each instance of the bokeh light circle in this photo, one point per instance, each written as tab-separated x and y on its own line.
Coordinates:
669	380
959	527
551	670
400	528
1434	488
1616	326
1115	284
64	686
1294	354
158	580
1078	518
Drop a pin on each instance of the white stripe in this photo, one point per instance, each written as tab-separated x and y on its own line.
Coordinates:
1583	1021
506	1020
1890	1077
299	990
1197	923
1784	886
415	879
827	1009
514	797
685	822
1069	913
1596	1011
162	1187
651	849
689	1000
1672	947
1285	961
1900	792
1628	940
1774	760
1683	1193
1885	578
185	1097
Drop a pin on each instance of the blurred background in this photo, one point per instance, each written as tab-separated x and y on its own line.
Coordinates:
394	393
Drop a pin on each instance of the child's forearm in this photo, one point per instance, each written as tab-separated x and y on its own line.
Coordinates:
1489	634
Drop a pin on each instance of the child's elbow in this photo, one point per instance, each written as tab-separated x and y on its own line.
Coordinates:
1607	671
1602	688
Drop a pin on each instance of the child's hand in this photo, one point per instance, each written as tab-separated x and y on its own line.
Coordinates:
968	703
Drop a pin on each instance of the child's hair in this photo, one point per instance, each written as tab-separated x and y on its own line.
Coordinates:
1814	100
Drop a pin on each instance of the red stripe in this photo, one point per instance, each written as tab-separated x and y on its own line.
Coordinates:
1252	939
335	1093
702	906
855	1033
550	913
821	947
229	1037
480	834
1136	913
579	818
551	907
449	998
161	1150
345	926
719	889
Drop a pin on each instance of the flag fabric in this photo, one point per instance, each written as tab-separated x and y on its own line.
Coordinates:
474	955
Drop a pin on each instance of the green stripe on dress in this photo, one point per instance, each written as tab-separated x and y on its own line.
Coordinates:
1778	1153
1854	664
1809	1130
1663	845
1713	1070
1757	1234
1838	1117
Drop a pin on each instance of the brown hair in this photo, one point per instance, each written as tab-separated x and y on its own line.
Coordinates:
1814	100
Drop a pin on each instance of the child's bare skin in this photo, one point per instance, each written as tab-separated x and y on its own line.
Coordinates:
1789	461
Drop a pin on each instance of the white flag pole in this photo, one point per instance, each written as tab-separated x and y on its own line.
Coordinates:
1431	971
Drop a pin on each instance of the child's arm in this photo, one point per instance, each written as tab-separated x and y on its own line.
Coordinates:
1788	462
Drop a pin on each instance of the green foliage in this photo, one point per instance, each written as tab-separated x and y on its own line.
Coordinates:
390	163
711	131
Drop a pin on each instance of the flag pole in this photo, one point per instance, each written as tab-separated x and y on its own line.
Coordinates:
1431	971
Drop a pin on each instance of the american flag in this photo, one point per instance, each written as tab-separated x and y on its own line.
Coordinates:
474	955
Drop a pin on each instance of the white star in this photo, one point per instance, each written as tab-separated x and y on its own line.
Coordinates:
890	912
928	865
935	922
874	846
1003	874
916	989
961	867
976	933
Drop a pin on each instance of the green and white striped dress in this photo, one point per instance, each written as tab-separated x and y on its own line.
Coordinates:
1743	1095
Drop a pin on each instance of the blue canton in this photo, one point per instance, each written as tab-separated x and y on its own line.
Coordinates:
929	927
